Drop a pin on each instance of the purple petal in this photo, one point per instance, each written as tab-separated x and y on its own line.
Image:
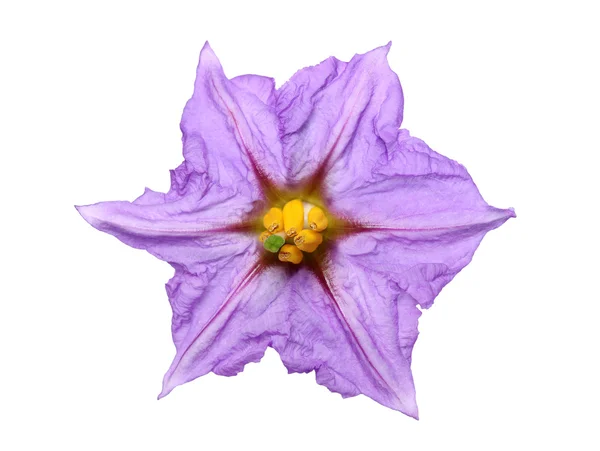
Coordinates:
339	116
191	208
295	99
420	218
410	187
261	87
195	226
181	238
225	305
355	330
228	131
192	234
228	324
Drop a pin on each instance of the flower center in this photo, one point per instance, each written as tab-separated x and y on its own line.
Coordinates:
299	224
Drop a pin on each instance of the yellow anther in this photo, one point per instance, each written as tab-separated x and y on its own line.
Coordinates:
308	240
263	236
293	217
317	220
273	220
290	253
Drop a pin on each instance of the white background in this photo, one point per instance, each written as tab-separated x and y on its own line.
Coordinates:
90	100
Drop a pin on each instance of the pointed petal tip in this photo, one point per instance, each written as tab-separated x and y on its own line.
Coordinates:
377	53
410	410
503	214
413	413
384	48
166	389
408	407
86	212
206	46
93	213
167	385
80	209
208	56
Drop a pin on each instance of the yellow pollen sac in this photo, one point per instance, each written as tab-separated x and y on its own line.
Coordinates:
308	240
317	220
290	253
263	236
273	220
293	217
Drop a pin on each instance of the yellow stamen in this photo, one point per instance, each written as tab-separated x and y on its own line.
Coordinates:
308	240
293	217
290	253
263	236
317	220
273	220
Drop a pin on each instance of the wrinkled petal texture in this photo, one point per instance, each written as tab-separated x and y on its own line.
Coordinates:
338	117
228	130
415	219
421	217
355	329
227	127
210	264
244	319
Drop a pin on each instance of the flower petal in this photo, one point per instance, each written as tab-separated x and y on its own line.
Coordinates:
198	226
421	263
226	326
295	99
261	87
193	223
332	113
170	215
355	330
419	216
228	131
225	310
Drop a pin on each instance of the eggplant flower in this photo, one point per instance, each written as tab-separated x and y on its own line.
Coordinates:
303	218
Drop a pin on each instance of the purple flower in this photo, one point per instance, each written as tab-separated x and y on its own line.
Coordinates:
304	219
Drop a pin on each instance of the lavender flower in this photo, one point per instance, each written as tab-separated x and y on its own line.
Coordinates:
304	219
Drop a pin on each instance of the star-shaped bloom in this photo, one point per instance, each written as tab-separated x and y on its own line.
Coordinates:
303	218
